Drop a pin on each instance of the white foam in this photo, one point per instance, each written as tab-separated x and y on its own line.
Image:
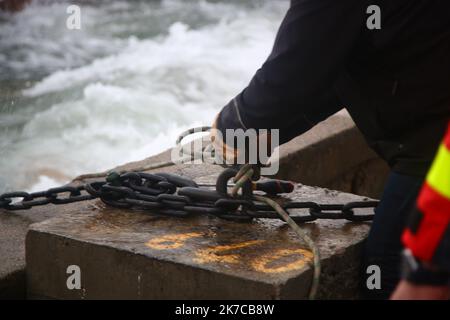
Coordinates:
132	103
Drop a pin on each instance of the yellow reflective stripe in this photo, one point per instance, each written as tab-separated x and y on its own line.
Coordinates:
439	176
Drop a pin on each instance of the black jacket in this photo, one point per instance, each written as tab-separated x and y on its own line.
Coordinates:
395	82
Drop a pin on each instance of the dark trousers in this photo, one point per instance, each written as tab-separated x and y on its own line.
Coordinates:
383	247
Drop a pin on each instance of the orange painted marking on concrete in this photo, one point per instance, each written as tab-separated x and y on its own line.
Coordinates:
171	241
262	264
227	254
219	253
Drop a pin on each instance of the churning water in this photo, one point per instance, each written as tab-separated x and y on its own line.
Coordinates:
121	88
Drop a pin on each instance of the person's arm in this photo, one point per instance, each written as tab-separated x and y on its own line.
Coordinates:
427	236
293	90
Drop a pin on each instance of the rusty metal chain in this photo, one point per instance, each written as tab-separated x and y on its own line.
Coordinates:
174	195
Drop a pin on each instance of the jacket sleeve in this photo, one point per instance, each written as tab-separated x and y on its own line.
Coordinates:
428	232
293	90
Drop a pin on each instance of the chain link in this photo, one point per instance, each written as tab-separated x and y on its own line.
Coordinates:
175	195
60	195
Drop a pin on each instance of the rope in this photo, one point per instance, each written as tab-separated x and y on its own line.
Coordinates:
162	164
302	234
244	174
103	174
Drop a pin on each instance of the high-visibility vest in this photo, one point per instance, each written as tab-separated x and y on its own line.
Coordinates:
428	233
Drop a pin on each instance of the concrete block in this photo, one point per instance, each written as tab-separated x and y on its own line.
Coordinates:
125	254
334	155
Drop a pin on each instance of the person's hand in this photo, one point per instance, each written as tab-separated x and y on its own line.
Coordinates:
248	152
227	154
409	291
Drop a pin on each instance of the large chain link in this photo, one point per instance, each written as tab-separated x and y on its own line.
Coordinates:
174	195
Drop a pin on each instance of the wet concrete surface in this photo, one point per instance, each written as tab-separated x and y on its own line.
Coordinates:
133	254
